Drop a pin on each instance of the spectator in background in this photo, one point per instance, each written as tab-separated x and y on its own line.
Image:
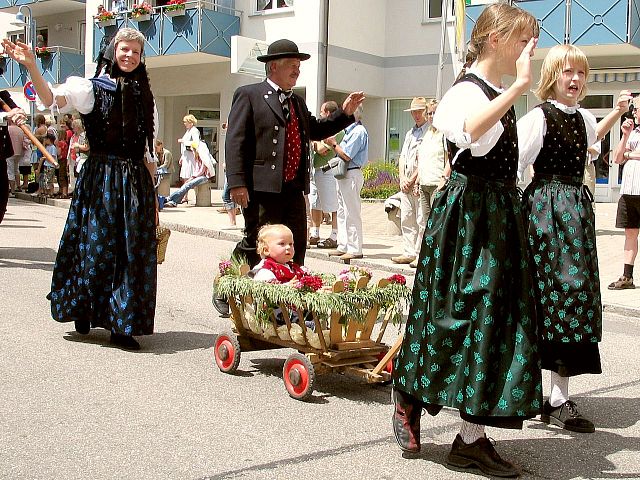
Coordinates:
13	162
323	194
627	153
165	159
354	149
62	149
79	147
411	216
433	169
191	135
203	173
24	166
590	175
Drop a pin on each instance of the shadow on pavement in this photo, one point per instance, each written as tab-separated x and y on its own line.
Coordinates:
328	385
158	344
29	258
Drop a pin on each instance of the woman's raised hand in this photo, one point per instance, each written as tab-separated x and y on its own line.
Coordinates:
20	52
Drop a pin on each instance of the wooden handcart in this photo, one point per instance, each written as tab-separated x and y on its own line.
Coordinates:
346	345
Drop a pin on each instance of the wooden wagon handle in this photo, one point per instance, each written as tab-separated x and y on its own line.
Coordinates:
27	131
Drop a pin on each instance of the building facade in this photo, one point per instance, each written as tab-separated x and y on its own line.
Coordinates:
389	49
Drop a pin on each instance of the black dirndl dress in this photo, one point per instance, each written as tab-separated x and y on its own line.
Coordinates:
105	270
471	338
562	240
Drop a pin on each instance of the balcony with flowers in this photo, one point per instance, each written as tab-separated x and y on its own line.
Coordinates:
200	28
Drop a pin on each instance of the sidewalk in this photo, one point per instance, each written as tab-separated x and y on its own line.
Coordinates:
381	243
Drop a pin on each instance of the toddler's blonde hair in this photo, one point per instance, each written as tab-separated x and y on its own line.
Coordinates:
267	231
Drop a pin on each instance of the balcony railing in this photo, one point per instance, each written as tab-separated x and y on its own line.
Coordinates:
204	27
580	22
56	65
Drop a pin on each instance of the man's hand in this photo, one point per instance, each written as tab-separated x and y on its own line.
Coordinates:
240	196
17	116
352	102
627	126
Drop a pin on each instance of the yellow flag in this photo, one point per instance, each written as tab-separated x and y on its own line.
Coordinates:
460	40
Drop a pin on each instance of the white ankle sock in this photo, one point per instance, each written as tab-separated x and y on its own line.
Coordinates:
559	390
334	235
314	232
470	432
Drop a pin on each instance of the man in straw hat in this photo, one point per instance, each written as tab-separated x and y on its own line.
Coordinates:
411	215
267	149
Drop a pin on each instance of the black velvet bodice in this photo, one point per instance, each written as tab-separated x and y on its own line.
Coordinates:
105	126
564	148
502	161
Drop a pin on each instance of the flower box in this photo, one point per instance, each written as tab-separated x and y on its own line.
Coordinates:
175	13
145	17
106	23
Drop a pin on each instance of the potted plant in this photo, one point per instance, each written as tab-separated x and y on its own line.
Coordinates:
43	53
175	8
141	12
104	17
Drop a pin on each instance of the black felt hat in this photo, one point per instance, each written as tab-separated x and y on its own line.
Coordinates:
282	49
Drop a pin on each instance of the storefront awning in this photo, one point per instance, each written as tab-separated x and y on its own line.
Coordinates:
614	75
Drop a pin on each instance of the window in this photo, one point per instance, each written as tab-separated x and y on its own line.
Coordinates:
432	9
16	37
398	124
270	5
82	28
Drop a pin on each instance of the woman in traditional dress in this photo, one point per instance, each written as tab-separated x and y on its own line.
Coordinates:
105	270
190	138
470	340
554	138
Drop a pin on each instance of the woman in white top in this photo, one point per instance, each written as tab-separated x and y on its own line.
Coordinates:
190	137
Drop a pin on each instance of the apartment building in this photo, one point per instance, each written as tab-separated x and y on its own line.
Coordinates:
389	49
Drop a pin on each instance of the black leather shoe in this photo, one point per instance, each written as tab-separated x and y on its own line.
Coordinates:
406	420
567	417
127	342
480	454
82	326
222	306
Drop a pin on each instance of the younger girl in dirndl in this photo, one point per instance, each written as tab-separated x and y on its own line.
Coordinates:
554	138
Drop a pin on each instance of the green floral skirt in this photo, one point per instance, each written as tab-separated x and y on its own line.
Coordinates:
562	240
471	339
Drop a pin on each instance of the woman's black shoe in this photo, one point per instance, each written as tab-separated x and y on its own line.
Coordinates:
82	326
566	416
480	454
125	341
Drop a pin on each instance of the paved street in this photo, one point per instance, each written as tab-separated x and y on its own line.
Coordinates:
73	407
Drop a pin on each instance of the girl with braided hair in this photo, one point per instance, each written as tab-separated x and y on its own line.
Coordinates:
105	270
470	340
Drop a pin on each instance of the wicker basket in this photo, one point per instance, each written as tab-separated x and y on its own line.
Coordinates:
162	235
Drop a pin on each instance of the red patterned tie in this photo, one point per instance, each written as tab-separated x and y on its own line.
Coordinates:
292	147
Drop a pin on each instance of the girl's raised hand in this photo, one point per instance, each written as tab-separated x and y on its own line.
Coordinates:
523	64
20	52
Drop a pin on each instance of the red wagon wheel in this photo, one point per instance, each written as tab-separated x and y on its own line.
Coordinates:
299	376
227	352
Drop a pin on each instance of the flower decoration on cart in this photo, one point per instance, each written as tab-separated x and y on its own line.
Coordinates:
308	303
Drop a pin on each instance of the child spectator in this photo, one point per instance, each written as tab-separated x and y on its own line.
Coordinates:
25	162
62	151
46	170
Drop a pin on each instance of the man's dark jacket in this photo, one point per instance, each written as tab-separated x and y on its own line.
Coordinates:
254	148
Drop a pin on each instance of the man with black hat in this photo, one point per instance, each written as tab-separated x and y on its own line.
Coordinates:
17	116
267	148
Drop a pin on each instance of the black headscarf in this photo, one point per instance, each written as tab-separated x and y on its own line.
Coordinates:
135	90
